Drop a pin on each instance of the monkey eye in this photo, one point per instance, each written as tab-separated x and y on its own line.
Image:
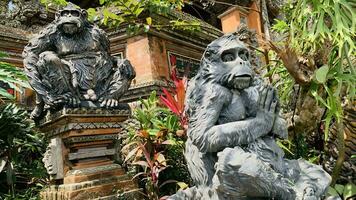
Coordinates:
75	13
244	54
64	13
227	57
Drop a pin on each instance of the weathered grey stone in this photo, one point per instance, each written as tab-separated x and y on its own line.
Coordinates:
53	159
69	64
234	121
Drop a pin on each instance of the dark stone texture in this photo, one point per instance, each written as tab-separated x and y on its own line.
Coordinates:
69	62
234	121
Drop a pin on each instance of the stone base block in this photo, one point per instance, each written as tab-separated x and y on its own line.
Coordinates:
104	182
83	153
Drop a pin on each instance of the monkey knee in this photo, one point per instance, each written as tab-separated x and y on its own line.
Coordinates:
233	158
48	57
201	166
235	162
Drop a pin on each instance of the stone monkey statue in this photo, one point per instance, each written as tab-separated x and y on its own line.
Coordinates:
69	62
234	120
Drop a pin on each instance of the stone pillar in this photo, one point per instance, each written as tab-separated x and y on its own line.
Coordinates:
234	16
82	155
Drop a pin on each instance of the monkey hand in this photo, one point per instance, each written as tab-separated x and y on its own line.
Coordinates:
59	100
126	69
108	102
50	57
279	128
309	194
267	106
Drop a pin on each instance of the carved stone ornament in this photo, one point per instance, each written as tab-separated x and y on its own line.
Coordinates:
69	64
53	160
29	15
234	121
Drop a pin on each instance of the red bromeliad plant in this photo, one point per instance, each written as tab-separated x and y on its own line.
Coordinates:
175	100
152	146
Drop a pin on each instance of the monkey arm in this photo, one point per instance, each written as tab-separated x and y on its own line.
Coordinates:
31	54
236	133
209	137
121	80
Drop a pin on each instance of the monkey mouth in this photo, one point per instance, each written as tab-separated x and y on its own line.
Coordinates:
69	25
239	82
70	28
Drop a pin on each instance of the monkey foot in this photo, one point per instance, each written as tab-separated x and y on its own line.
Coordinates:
109	103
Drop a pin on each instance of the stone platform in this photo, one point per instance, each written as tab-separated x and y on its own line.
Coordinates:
82	156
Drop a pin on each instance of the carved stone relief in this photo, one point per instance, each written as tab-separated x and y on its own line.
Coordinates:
25	14
53	159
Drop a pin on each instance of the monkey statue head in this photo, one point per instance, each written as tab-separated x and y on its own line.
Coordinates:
71	20
226	61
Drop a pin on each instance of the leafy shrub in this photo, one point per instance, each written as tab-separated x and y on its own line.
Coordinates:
21	169
156	146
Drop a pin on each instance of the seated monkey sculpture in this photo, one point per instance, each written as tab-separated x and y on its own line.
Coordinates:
69	62
234	121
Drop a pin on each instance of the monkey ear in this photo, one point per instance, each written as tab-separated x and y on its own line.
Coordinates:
84	13
208	54
57	15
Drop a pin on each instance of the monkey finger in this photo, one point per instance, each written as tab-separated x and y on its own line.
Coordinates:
70	101
272	109
108	103
74	102
116	103
278	107
269	99
258	99
263	98
103	103
58	101
77	102
113	103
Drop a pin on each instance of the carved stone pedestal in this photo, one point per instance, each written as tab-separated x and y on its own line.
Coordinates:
82	155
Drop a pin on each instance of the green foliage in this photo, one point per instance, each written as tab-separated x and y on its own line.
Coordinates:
156	146
280	26
282	80
12	76
118	12
314	22
321	33
345	192
55	2
20	155
312	25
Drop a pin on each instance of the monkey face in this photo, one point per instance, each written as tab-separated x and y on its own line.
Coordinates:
71	20
230	62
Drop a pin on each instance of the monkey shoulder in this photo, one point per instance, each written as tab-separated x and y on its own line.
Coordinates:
100	35
207	94
205	99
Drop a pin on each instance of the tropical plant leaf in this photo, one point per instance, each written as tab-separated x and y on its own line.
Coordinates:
322	73
141	163
131	154
339	188
349	191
